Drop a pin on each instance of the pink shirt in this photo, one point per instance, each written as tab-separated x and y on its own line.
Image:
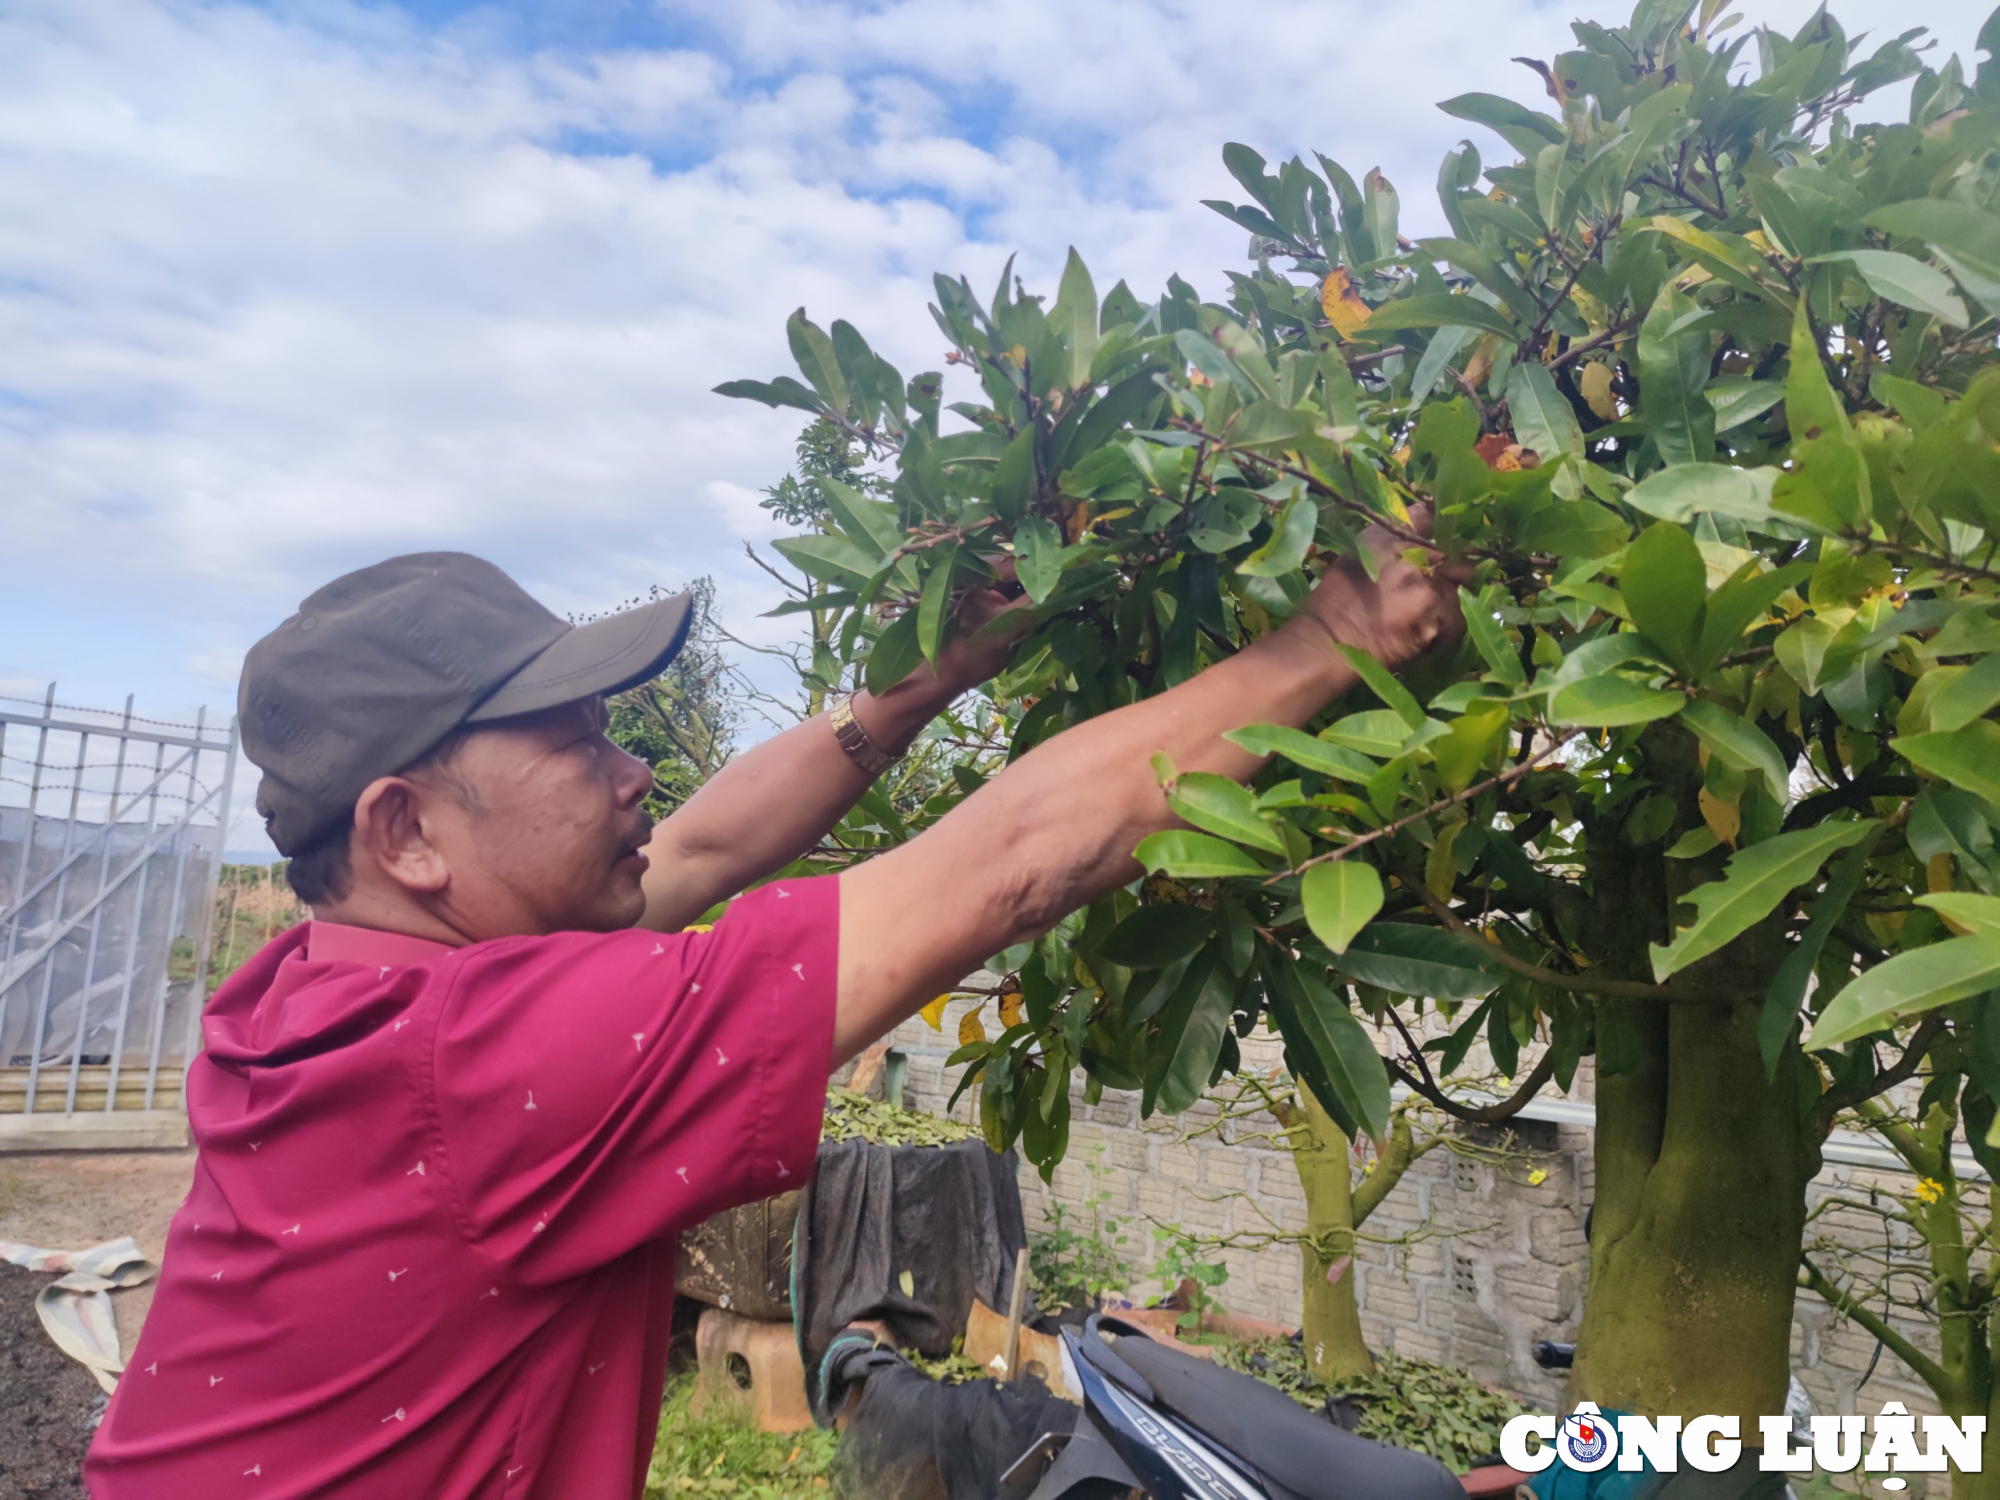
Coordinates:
428	1252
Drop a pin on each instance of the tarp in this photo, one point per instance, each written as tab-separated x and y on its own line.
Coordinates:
907	1234
76	1308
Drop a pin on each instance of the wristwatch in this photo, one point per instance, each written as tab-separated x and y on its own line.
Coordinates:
852	738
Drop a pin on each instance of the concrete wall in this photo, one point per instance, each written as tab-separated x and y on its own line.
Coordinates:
1489	1261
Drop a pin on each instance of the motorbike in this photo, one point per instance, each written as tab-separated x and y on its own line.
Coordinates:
1157	1422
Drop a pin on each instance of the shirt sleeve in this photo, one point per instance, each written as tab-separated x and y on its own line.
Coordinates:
598	1091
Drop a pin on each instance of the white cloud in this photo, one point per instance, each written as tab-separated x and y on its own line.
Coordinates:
286	291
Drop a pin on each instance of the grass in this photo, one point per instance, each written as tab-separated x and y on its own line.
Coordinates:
717	1455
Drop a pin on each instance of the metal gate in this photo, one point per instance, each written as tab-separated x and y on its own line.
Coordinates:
111	832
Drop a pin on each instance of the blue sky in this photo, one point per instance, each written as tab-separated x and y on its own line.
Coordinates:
289	288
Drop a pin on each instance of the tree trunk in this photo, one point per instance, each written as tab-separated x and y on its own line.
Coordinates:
1699	1215
1334	1348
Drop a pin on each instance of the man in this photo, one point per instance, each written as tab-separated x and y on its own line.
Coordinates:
449	1128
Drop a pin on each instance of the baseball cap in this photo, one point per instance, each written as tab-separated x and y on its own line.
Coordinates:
381	664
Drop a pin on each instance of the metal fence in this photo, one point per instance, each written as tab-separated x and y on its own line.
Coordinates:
111	833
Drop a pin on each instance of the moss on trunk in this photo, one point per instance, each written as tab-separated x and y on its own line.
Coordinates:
1699	1217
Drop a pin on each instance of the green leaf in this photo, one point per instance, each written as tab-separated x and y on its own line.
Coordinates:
1685	491
1694	843
1968	696
1291	534
1014	477
1476	263
896	654
1905	280
1788	985
1376	731
1811	407
1980	913
1739	743
1753	882
1410	960
1441	310
934	607
1519	126
784	391
1222	806
817	361
1967	757
1543	420
1382	682
1475	734
1328	1049
1302	749
1922	979
1038	557
1673	368
1738	399
1738	605
1157	937
1494	649
1074	318
1341	897
1610	701
830	558
1193	856
1191	1030
1969	233
1348	1054
870	523
1665	585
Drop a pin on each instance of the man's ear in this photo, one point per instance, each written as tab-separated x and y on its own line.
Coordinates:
393	832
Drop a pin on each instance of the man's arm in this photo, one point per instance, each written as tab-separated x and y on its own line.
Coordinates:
774	802
1056	829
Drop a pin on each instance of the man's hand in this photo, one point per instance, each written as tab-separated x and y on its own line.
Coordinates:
975	655
1408	607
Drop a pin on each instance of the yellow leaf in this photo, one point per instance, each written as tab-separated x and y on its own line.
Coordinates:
1938	876
907	1282
1342	305
1537	1177
969	1028
933	1013
700	927
1595	382
1477	368
1724	820
1010	1008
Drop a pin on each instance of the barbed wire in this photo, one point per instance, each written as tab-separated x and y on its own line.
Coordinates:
117	714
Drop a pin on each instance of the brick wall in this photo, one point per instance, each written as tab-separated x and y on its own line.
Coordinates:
1490	1261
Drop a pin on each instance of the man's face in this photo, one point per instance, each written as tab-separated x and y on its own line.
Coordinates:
538	820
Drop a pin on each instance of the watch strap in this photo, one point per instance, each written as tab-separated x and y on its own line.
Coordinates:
852	738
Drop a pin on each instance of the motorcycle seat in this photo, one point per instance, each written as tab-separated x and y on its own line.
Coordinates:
1304	1453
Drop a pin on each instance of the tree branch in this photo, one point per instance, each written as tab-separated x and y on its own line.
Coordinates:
1506	778
1483	1114
1833	1101
1610	335
1655	180
1575	984
1926	1369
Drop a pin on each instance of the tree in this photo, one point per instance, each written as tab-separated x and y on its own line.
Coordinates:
1339	1202
683	722
1703	383
1935	1260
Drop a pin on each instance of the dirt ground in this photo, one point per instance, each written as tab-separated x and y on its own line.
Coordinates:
49	1404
